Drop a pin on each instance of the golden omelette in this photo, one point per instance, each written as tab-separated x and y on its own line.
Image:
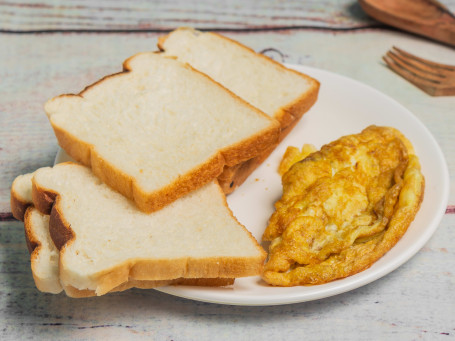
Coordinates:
343	207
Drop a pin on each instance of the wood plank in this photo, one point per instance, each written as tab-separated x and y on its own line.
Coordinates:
413	302
123	15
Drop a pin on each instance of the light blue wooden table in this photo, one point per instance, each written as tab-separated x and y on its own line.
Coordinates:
50	47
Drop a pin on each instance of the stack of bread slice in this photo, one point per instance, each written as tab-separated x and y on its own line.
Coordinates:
88	239
279	92
143	207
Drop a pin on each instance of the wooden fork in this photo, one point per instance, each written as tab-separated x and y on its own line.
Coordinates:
433	78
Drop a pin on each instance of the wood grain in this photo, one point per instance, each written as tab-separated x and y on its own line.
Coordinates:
414	302
158	16
424	17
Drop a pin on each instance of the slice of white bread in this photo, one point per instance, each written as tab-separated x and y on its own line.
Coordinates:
280	92
44	259
44	256
105	242
21	195
158	130
43	253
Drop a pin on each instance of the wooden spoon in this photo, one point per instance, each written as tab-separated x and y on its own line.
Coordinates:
428	18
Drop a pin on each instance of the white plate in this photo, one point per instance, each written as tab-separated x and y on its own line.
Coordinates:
344	107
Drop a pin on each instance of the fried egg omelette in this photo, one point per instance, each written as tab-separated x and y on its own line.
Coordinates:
342	207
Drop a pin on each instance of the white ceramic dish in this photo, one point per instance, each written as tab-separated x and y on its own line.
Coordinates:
344	107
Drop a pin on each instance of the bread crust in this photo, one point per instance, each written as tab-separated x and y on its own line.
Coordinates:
295	110
86	154
30	237
43	199
138	269
234	176
34	246
19	202
288	117
18	205
204	282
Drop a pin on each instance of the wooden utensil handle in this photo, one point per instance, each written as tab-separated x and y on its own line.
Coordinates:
423	17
